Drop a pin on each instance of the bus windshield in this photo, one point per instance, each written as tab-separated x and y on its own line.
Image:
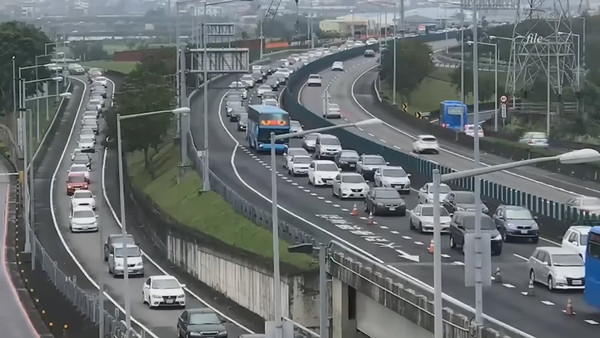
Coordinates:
592	268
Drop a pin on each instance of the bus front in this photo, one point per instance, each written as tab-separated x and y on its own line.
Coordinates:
270	119
592	268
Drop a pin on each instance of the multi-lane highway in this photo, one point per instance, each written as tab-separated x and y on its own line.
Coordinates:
390	241
86	248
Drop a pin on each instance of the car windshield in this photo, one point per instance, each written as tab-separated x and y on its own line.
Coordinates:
429	139
265	87
387	194
232	104
466	198
539	136
349	154
270	102
486	223
396	172
78	169
373	160
353	179
327	167
314	77
295	124
83	214
76	179
166	284
567	260
203	319
428	211
81	158
518	214
302	159
330	141
129	252
247	77
83	194
334	106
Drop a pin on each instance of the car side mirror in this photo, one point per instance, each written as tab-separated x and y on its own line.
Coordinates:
96	216
535	218
408	175
546	264
387	163
339	169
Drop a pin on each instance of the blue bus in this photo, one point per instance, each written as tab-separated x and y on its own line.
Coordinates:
592	268
453	114
262	120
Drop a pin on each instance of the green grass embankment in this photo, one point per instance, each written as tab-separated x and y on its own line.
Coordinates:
123	67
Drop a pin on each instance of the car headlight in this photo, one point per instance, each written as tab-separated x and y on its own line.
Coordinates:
222	334
156	297
139	264
498	237
560	277
181	295
194	334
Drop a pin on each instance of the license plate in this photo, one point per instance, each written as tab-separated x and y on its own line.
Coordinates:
524	232
392	208
576	282
170	301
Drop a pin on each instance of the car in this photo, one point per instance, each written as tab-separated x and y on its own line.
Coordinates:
461	201
470	130
270	102
80	168
368	164
293	151
97	102
231	105
94	73
314	80
76	69
350	185
242	123
346	159
257	77
392	177
262	89
381	201
309	141
333	111
337	65
201	322
426	143
535	139
463	222
163	290
558	268
233	97
86	143
248	80
296	127
237	85
92	107
98	89
516	222
256	68
76	181
77	151
298	164
284	71
82	158
90	123
587	204
87	133
426	193
83	198
322	172
272	83
369	53
101	80
576	239
327	145
236	112
281	79
116	260
421	218
371	41
91	114
270	95
83	219
114	239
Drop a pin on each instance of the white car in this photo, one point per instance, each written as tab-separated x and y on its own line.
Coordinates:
101	80
86	144
263	89
421	218
470	130
314	80
237	85
248	80
285	71
371	41
393	177
231	105
83	198
116	259
322	172
426	193
426	143
298	164
576	239
76	152
270	102
83	219
291	152
327	145
80	168
163	290
333	111
89	114
97	102
87	137
337	65
296	127
557	268
350	185
587	204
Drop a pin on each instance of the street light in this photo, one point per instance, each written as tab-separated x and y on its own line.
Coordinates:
275	206
572	157
181	111
495	79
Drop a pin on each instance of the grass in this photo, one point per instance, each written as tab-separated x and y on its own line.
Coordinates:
207	212
116	66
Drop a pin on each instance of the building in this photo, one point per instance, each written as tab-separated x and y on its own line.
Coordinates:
344	25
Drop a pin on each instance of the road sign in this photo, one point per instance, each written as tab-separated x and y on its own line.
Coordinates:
503	98
503	107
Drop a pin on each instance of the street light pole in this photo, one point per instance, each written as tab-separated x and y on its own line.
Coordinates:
548	79
495	81
437	258
462	53
395	51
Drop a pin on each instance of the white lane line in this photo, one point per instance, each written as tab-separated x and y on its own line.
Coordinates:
418	243
306	190
394	232
294	183
445	255
547	302
383	227
510	286
521	257
313	194
336	205
320	197
363	218
300	187
591	322
407	237
328	201
382	140
55	221
280	174
289	181
371	134
458	263
344	209
360	129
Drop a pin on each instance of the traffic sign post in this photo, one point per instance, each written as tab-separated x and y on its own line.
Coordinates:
503	110
504	99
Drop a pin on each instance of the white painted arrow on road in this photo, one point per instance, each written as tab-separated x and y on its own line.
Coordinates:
414	258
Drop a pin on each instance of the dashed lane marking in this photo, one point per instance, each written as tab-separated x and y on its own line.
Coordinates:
407	237
320	197
363	218
418	243
382	140
547	302
520	257
591	322
458	263
510	286
344	209
306	190
371	134
383	227
313	194
300	187
445	255
294	183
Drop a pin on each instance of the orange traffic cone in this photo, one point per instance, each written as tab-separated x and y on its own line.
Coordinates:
569	310
431	247
354	211
371	221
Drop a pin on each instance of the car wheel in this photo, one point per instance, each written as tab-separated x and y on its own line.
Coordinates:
531	276
550	283
143	299
411	226
504	237
366	207
420	228
309	181
536	239
452	243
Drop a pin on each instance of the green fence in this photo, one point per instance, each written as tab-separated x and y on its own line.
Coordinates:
555	217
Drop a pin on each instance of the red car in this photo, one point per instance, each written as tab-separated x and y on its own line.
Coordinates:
76	181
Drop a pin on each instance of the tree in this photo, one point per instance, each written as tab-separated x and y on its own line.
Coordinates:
413	64
486	83
88	50
24	42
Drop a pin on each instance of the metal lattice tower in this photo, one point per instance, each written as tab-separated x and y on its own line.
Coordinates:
544	45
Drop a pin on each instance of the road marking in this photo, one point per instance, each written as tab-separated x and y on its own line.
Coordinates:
510	286
547	302
458	263
591	322
344	209
289	181
521	257
445	255
300	187
363	218
267	166
360	129
418	243
407	237
280	174
394	232
336	205
320	197
328	201
294	183
382	140
383	227
306	190
371	134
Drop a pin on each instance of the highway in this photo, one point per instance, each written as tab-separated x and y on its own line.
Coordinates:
14	321
86	248
390	241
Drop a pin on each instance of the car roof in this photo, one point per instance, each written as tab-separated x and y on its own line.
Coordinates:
200	310
128	245
424	136
76	174
119	235
393	167
350	174
582	229
556	250
162	277
326	136
323	162
82	208
372	155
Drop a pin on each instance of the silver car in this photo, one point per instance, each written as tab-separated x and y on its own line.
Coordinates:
393	177
298	164
368	164
350	185
310	141
557	268
291	152
295	127
421	218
